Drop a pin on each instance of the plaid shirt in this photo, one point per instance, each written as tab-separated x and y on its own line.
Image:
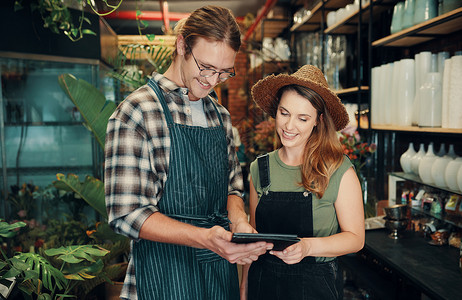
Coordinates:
137	154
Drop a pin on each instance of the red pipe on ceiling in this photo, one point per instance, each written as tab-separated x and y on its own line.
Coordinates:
145	15
266	8
165	15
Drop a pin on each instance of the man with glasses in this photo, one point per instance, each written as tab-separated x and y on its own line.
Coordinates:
173	182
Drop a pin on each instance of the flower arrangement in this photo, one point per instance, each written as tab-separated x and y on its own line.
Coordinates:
357	150
264	137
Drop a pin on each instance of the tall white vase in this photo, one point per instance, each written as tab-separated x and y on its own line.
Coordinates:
405	159
406	92
415	160
425	165
395	93
430	103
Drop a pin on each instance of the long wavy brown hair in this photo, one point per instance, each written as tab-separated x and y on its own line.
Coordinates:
323	152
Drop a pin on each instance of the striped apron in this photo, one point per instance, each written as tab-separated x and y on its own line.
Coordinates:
195	193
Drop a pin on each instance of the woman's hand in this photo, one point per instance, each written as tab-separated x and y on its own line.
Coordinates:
294	253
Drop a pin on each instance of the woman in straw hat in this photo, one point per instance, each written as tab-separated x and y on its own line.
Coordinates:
306	187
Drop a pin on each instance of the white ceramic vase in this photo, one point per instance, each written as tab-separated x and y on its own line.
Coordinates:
431	101
425	165
415	160
459	178
402	111
439	169
405	159
442	151
451	151
451	172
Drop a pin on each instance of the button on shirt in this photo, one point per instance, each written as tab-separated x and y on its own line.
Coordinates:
137	154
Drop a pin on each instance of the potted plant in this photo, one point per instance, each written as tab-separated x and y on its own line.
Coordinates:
51	274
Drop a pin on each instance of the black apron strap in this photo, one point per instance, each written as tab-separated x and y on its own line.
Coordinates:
263	169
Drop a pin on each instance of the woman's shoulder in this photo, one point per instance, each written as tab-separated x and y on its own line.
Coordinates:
254	165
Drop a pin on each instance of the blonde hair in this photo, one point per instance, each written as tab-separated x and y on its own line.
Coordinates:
213	23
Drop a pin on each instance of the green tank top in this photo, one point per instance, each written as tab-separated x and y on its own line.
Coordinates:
285	178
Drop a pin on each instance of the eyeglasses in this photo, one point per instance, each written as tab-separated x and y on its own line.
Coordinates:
210	72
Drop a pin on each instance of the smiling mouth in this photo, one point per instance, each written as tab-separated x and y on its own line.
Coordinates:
204	84
289	134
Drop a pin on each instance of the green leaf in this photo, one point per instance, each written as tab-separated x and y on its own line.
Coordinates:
151	37
91	190
87	20
77	253
91	104
88	31
37	265
17	6
11	273
6	229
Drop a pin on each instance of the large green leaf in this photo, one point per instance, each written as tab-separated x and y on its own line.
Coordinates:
7	230
91	190
77	253
36	267
91	104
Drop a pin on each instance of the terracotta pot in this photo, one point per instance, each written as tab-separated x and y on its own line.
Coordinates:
113	290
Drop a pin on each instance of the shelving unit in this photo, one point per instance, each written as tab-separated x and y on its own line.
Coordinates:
352	90
426	31
417	129
349	25
415	178
392	139
314	21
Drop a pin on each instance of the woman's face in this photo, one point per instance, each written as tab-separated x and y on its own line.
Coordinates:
295	119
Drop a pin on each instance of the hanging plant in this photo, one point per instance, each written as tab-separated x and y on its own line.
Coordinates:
57	16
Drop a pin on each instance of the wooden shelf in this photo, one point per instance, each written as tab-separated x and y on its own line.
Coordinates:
271	28
417	129
442	25
271	67
416	178
351	90
312	22
349	25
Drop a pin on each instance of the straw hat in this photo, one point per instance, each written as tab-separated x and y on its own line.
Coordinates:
265	90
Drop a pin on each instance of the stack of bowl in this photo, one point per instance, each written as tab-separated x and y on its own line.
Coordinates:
396	220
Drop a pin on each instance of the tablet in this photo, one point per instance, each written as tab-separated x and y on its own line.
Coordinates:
280	241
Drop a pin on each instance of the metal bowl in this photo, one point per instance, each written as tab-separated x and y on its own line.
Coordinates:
395	227
396	212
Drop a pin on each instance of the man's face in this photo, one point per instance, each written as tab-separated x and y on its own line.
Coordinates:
208	55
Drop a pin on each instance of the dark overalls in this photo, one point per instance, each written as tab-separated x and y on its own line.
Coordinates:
271	278
195	193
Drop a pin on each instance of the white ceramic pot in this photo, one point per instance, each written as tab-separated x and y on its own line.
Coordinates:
459	178
415	160
405	159
439	170
442	151
425	165
450	175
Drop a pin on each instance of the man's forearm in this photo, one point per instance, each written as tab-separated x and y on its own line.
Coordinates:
236	211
